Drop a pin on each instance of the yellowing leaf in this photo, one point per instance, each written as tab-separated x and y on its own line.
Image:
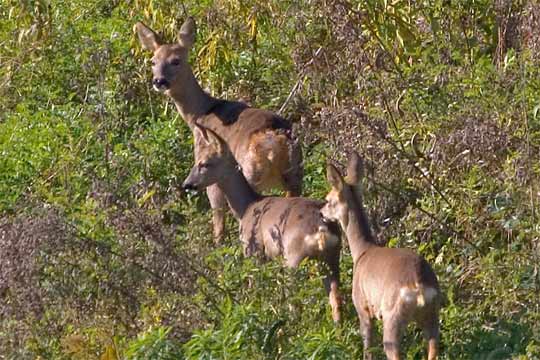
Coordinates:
253	27
109	354
145	197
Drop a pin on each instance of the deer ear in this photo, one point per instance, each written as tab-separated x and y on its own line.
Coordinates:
202	131
355	169
211	138
148	38
334	177
187	33
216	141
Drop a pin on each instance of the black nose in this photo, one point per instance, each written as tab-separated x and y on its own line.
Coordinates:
189	186
160	82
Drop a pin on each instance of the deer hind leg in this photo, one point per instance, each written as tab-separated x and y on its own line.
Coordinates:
430	330
292	177
392	329
218	203
366	329
331	285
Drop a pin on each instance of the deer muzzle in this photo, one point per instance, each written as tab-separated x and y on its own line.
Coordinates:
160	84
189	186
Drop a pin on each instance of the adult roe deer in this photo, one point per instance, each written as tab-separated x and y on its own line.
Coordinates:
395	285
260	140
272	226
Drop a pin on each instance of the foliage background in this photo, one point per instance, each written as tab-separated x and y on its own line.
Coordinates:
102	255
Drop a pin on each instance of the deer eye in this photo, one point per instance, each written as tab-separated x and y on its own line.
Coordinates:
153	62
175	62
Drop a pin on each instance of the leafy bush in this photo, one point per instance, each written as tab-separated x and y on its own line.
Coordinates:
154	344
98	244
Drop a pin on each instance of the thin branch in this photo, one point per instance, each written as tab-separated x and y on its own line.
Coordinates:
411	161
434	218
299	81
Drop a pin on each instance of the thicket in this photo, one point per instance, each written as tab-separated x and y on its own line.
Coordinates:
103	256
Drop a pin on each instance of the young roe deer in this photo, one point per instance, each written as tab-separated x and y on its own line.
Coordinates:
270	226
261	141
395	285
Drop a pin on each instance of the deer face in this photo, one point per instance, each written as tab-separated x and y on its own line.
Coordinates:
204	173
213	161
342	196
170	65
336	207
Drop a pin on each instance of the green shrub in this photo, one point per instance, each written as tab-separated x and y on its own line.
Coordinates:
154	344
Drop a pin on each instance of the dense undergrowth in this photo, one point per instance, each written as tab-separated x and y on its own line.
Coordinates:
103	256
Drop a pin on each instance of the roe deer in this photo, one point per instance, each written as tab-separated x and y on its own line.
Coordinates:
270	226
395	285
261	141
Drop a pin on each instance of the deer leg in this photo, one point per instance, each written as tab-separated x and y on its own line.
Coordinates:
366	330
430	330
292	177
392	329
218	203
331	285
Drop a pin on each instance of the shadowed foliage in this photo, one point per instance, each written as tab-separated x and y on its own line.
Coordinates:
103	256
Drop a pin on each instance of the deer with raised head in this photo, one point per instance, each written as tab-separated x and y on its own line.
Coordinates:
270	226
395	285
261	141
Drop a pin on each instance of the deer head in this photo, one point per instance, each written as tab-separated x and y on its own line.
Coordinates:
213	162
344	193
170	66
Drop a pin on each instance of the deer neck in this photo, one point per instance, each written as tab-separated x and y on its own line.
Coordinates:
190	99
238	192
358	232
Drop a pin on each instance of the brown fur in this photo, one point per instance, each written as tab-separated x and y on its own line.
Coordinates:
266	159
270	226
394	285
261	141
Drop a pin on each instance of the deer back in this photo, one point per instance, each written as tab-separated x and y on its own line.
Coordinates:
292	227
236	123
260	141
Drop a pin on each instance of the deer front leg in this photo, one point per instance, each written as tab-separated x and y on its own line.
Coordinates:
218	203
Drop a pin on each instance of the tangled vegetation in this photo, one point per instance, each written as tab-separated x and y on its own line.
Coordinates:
103	256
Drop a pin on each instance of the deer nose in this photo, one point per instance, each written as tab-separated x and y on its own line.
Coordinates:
189	186
160	82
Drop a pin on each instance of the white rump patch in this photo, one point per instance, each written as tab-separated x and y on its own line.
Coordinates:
420	296
408	295
430	294
322	238
318	239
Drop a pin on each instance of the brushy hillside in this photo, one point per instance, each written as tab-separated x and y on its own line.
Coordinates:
103	256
